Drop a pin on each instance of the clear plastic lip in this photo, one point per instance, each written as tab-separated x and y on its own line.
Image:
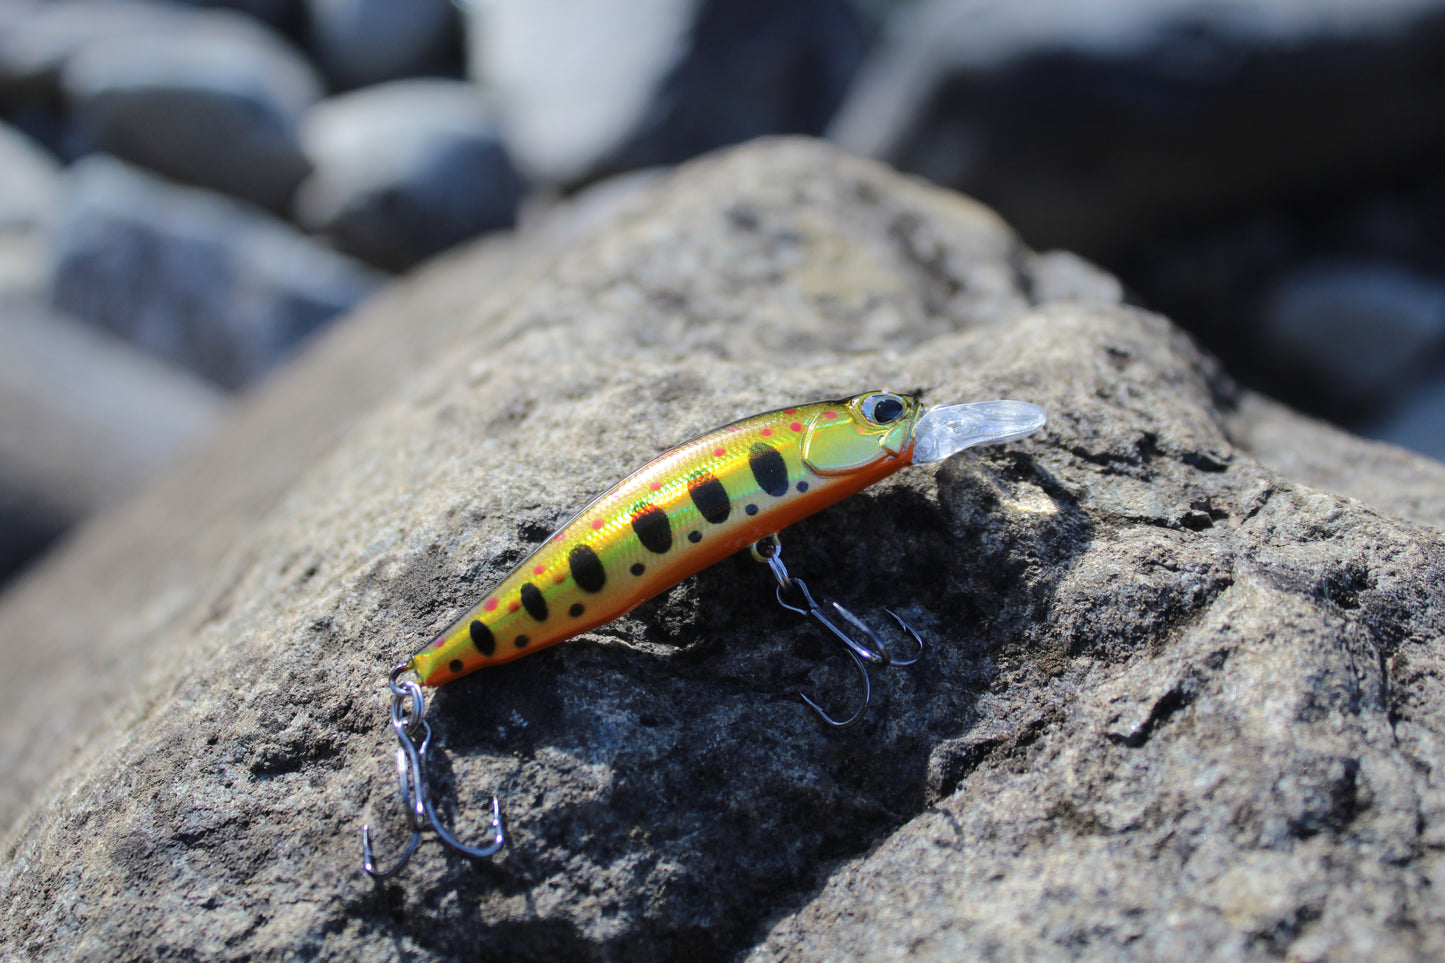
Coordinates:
949	429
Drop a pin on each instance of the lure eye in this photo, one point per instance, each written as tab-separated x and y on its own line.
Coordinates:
882	409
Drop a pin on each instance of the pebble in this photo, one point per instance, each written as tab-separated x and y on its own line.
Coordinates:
1090	124
84	420
37	40
215	286
29	191
362	42
213	100
572	77
587	87
281	14
1358	328
404	170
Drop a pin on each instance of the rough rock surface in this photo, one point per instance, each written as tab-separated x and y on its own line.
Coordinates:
1177	703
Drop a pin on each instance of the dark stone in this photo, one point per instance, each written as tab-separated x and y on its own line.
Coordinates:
1091	132
405	170
214	286
213	101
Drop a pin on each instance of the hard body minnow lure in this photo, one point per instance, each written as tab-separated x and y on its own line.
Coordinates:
734	487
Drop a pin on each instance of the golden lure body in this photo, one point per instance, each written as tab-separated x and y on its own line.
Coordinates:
684	511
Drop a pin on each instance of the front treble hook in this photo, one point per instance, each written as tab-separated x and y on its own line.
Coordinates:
408	718
862	644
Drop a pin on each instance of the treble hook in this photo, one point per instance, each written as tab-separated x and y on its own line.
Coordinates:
408	717
769	549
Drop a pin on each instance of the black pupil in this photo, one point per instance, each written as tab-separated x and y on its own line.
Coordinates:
886	410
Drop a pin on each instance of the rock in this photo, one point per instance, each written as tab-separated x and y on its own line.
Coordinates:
572	79
37	40
214	101
285	15
29	193
1332	305
1176	705
142	550
1092	125
84	420
363	42
214	286
752	69
1313	452
1417	422
1359	330
588	88
404	170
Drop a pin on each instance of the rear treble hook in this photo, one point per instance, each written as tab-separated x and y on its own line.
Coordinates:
870	649
408	717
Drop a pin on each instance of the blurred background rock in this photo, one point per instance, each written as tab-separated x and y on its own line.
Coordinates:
189	190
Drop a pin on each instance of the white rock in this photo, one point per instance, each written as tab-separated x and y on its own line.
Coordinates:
573	77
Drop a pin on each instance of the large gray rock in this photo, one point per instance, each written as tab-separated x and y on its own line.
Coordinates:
403	170
214	100
1179	704
215	286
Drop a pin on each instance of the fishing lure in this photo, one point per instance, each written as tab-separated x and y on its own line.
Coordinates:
734	487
